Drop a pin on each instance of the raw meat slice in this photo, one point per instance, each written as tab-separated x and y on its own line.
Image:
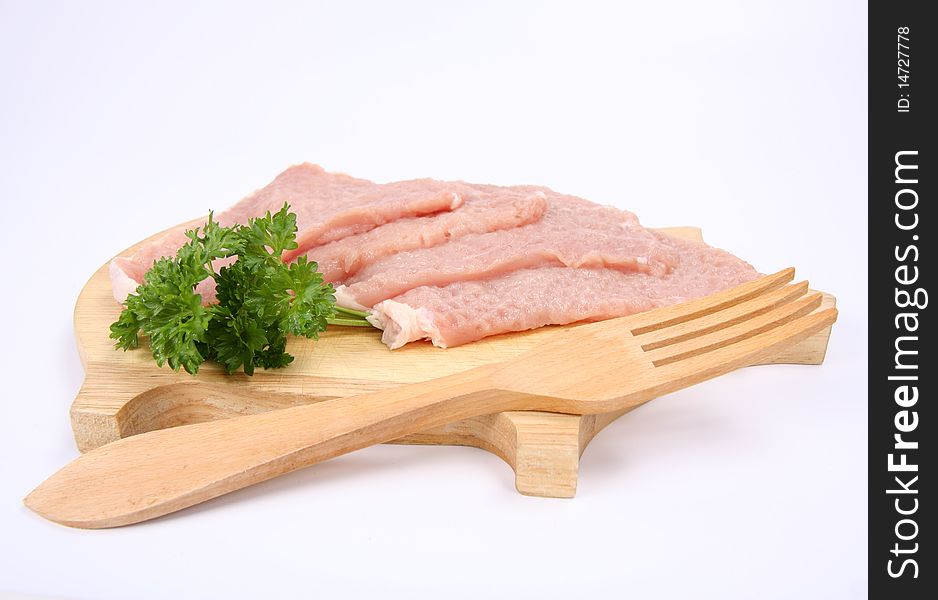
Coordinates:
529	298
483	211
573	233
328	207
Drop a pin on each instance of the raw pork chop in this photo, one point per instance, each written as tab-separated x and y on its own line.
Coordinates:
484	210
471	310
328	207
573	233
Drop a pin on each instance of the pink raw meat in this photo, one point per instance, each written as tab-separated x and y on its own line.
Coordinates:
328	207
529	298
484	210
573	233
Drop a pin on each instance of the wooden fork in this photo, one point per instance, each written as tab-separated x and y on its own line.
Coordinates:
596	368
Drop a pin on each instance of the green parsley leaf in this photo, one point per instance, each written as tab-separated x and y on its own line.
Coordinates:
261	300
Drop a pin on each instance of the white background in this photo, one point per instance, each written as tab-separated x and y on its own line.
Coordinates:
745	118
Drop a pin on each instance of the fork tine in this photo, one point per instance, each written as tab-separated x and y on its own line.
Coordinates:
749	351
734	333
680	313
722	319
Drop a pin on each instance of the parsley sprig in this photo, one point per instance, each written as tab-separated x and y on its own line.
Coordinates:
261	300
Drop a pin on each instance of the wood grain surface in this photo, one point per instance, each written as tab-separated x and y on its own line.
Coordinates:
125	393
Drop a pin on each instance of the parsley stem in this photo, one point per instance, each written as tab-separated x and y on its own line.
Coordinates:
349	311
349	322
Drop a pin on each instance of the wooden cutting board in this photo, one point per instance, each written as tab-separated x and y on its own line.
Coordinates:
125	393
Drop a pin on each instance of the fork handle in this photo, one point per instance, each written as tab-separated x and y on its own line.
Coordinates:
152	474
